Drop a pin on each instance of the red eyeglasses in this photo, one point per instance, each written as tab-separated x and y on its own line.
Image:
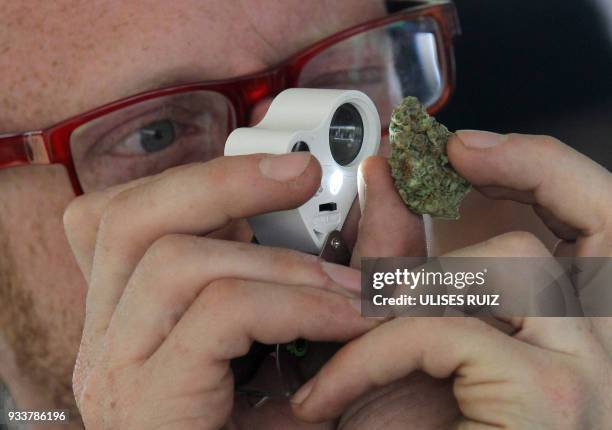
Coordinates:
406	53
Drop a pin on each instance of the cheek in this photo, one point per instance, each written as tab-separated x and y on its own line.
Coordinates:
33	201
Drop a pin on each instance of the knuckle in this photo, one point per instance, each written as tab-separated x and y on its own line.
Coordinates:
547	142
520	243
74	214
223	294
541	140
113	215
291	261
164	251
550	147
515	138
543	145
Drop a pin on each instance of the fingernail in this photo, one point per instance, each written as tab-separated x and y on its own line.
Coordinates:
361	189
480	139
284	167
303	392
344	276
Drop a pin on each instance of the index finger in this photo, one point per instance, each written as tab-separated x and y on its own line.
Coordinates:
541	171
196	199
437	346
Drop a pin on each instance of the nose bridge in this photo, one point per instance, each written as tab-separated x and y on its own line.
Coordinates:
258	111
262	88
267	84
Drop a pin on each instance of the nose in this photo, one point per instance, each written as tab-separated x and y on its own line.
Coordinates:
259	110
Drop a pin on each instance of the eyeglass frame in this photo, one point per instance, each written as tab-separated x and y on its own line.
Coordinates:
52	145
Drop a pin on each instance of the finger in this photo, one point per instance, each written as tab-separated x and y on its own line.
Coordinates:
176	268
196	199
481	358
350	228
230	314
562	230
83	214
387	228
567	335
82	217
473	425
512	250
438	346
539	170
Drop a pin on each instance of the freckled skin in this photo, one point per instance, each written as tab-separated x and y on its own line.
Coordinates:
41	290
58	59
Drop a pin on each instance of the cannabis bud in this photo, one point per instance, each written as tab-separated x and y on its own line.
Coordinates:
423	176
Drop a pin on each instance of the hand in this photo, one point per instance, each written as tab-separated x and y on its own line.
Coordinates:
552	372
169	303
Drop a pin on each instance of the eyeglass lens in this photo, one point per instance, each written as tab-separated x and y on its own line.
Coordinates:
387	63
150	137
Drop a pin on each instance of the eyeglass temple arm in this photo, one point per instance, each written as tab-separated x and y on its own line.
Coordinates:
23	149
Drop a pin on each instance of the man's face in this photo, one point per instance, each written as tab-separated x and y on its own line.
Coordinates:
58	59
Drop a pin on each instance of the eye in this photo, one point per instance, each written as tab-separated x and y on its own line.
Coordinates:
157	135
152	137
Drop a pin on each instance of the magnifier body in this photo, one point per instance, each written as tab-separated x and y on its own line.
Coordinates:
340	128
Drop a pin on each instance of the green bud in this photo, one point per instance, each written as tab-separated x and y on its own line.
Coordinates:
426	181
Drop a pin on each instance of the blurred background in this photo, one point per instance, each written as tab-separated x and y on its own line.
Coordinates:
538	67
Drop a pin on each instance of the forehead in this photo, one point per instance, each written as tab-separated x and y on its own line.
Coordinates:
60	58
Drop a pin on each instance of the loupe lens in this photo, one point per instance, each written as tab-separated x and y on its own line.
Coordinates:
346	134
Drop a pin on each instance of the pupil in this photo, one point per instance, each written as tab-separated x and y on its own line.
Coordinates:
157	135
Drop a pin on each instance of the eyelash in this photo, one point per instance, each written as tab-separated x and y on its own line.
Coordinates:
180	117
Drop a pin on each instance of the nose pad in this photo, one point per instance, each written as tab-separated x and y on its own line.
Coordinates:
259	110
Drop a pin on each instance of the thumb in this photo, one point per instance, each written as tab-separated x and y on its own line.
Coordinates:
489	367
568	191
386	228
